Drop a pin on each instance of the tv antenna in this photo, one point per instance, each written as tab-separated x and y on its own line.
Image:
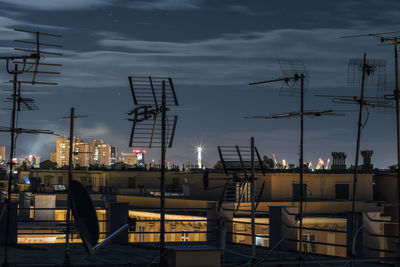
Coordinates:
238	163
311	113
368	70
70	199
151	127
23	103
362	72
27	67
18	131
294	80
391	38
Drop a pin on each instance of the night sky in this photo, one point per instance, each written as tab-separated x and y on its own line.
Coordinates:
211	49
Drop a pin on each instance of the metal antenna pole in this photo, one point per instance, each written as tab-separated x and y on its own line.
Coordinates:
162	185
17	100
301	163
10	177
70	163
253	200
396	95
151	98
361	102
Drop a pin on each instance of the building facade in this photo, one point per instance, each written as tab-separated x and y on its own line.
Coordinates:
114	155
100	153
129	158
3	153
53	156
80	149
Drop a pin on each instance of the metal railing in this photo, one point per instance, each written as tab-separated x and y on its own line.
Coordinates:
185	232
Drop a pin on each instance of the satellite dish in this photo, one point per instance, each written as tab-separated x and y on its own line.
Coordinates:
85	216
86	219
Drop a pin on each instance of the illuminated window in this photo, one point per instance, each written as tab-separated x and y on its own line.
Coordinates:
262	240
240	229
196	237
185	236
142	229
308	246
151	236
173	229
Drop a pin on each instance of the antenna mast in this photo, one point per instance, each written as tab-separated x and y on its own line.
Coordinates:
294	73
395	96
361	72
152	97
26	66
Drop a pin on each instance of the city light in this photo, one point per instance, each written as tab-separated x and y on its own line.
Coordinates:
199	149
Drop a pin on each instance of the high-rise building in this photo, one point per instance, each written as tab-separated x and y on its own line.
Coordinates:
53	156
136	158
62	151
100	153
80	149
129	158
114	155
3	153
94	151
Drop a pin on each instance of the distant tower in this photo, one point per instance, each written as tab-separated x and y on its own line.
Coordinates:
199	150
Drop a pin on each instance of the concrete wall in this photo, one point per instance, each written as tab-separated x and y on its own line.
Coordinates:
278	186
319	186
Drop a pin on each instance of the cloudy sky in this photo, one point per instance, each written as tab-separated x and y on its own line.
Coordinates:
211	49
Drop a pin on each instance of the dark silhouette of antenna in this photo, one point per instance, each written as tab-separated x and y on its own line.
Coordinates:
309	113
23	103
372	102
392	40
25	70
151	127
32	65
368	69
367	102
19	131
313	113
67	252
362	72
295	77
238	163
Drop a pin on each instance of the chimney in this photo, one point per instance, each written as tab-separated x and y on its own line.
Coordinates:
367	155
338	161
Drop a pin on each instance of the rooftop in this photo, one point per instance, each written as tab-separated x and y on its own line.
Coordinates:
148	255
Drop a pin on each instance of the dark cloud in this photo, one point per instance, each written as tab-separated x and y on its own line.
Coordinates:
165	4
57	4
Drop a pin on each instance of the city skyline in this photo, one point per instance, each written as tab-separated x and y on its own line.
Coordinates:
262	132
211	60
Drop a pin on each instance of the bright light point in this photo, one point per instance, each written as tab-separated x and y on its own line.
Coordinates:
199	149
